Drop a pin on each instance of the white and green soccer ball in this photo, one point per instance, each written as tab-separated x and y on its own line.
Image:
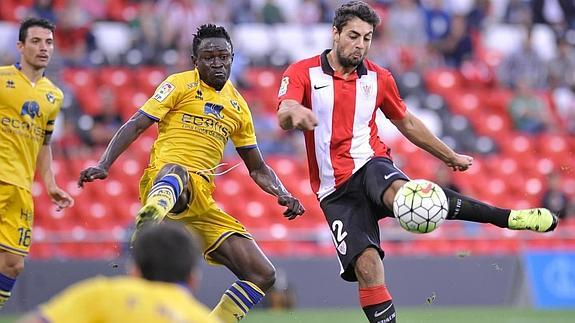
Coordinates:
420	206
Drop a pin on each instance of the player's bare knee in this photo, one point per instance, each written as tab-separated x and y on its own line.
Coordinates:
265	278
369	267
389	194
12	265
174	169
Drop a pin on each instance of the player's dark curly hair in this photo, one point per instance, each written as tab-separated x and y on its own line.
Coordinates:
352	9
209	31
165	252
34	22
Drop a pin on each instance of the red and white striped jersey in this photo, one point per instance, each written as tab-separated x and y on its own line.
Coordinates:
346	136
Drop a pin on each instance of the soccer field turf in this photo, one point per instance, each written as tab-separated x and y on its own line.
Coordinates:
407	315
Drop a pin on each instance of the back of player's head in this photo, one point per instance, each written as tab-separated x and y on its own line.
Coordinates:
352	9
210	31
166	252
34	22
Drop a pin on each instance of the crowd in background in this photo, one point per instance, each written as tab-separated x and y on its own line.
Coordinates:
414	37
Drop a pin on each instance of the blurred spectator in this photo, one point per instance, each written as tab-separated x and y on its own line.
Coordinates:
242	12
564	100
518	12
147	27
559	14
75	40
554	198
107	121
523	64
180	21
437	20
271	13
43	9
405	24
477	16
528	111
562	67
457	45
221	12
309	12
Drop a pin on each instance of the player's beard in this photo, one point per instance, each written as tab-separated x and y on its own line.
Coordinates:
350	61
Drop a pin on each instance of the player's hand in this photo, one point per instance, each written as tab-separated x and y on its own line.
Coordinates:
60	197
92	173
460	162
303	119
294	207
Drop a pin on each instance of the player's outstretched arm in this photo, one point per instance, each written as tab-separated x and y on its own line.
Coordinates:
267	179
129	132
418	133
293	115
44	165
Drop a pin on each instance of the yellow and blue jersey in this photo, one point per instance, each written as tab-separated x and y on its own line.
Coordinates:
124	299
195	122
27	114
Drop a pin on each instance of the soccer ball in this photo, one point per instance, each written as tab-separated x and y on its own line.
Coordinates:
420	206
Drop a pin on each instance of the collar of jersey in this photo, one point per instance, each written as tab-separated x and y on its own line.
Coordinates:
327	69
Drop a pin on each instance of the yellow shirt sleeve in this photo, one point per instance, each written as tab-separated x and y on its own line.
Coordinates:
245	135
78	303
164	99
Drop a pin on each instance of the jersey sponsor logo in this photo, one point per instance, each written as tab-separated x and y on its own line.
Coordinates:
10	84
163	91
30	108
318	87
283	86
213	109
206	126
192	85
50	97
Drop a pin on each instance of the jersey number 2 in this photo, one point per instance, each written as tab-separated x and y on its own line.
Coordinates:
338	233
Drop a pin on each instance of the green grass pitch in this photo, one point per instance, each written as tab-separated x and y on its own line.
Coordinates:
407	315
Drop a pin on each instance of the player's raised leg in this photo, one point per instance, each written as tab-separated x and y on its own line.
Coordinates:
169	193
465	208
255	272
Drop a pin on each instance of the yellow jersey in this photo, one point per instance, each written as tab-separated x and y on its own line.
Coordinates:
27	114
125	299
195	122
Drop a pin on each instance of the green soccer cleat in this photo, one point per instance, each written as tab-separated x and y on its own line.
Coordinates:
538	220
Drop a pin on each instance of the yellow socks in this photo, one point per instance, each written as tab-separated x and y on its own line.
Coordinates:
161	199
237	300
6	285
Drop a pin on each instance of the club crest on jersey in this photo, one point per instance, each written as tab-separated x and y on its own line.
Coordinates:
366	88
199	94
50	97
213	109
31	108
283	86
235	104
163	91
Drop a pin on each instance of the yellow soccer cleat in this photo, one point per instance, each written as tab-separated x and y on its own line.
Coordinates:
149	214
538	220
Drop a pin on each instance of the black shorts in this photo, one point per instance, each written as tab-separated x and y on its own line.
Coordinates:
354	209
